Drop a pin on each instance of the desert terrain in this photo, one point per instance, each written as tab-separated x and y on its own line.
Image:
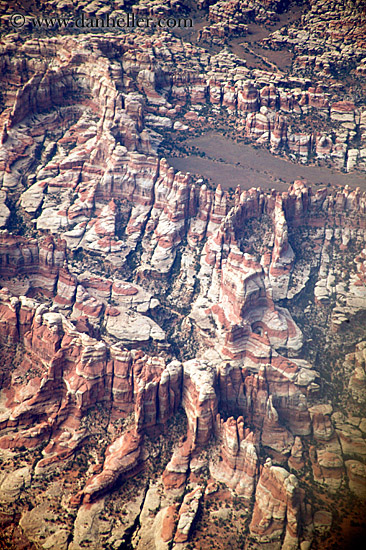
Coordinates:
183	275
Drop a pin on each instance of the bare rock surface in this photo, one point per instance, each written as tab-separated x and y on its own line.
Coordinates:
182	364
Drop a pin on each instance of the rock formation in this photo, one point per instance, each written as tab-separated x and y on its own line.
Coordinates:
182	364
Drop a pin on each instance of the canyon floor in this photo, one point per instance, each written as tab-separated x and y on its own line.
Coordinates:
183	275
223	161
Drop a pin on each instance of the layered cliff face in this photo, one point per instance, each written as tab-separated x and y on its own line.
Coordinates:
182	365
69	380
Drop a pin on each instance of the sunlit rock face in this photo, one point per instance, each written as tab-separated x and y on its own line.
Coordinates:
182	363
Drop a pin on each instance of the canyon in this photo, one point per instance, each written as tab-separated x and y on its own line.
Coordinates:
183	344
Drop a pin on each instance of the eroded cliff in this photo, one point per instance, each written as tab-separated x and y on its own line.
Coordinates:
182	365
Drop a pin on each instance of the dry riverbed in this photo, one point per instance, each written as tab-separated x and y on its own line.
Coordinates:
231	164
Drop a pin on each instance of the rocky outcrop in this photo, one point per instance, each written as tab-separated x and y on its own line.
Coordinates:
356	476
264	394
237	464
277	508
122	457
74	373
358	377
199	399
152	326
187	514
